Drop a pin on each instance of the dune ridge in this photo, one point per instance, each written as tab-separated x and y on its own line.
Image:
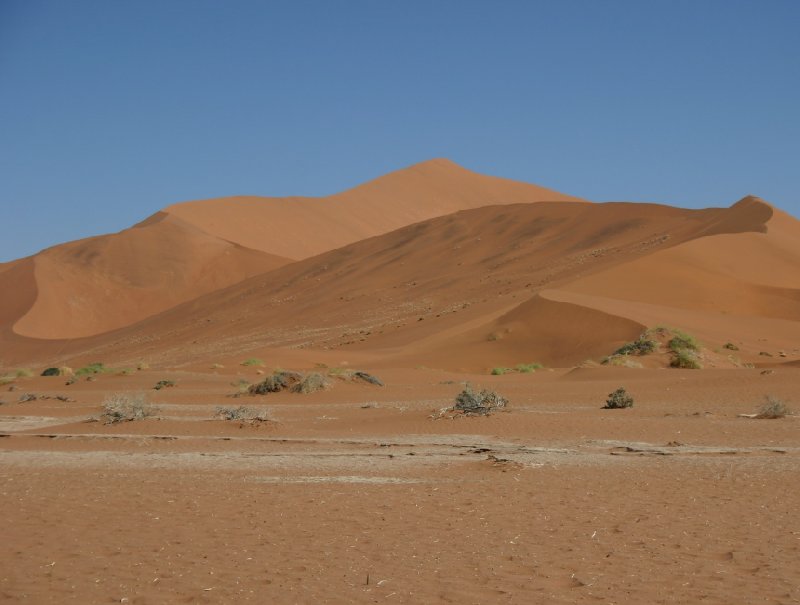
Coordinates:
482	287
99	284
316	225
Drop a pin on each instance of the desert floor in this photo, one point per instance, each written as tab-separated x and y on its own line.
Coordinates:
358	495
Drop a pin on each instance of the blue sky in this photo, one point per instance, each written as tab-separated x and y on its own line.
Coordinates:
112	110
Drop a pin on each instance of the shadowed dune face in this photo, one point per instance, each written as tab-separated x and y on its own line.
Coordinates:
459	291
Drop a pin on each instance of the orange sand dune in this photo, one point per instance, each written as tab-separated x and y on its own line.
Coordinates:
300	227
458	291
103	283
742	287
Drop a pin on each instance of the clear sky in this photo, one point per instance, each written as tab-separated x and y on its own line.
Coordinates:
111	110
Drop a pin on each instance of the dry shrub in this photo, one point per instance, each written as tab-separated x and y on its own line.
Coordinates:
619	399
311	383
481	403
773	408
241	414
121	407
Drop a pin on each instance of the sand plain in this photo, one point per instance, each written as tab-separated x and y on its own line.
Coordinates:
357	495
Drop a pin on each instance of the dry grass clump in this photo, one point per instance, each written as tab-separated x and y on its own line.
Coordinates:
619	399
311	383
253	361
241	414
685	359
773	408
480	403
276	382
120	407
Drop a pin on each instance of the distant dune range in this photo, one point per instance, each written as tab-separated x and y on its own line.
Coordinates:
432	265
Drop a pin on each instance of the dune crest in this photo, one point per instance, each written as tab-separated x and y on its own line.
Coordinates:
301	227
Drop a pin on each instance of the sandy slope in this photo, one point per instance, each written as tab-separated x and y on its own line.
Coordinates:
742	288
299	227
477	289
103	283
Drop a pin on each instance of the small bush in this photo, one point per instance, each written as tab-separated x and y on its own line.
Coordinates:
479	404
241	414
618	399
92	368
253	361
50	372
359	375
685	359
622	361
311	383
640	346
25	397
275	383
24	373
500	371
126	408
164	384
527	368
773	408
682	342
730	346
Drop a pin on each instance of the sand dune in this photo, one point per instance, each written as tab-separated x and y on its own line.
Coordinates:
463	290
725	287
553	282
102	283
300	227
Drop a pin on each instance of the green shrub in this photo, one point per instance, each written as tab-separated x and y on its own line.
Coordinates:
24	373
527	368
500	371
685	359
92	368
682	342
253	361
640	346
618	399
